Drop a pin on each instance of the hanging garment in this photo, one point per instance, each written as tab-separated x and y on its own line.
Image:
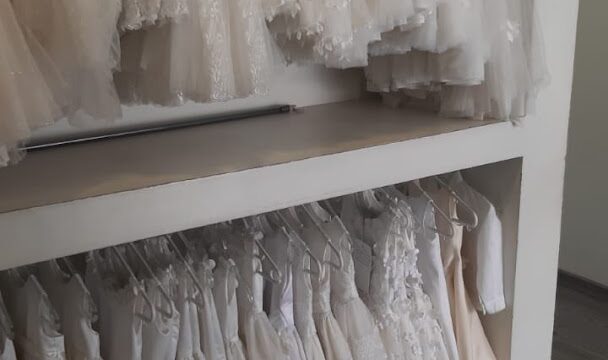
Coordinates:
261	340
212	341
21	78
355	320
7	347
120	326
189	339
470	337
482	251
160	337
74	305
7	350
411	297
36	323
225	284
431	270
282	297
81	40
302	306
334	343
136	14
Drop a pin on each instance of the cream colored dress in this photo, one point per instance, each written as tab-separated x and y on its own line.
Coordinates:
471	339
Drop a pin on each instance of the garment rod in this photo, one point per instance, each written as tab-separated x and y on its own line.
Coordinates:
271	110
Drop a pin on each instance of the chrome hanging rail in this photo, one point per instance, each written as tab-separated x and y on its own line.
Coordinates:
142	130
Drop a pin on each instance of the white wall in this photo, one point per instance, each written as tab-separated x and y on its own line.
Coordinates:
584	246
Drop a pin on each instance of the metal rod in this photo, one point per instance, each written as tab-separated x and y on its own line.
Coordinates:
272	110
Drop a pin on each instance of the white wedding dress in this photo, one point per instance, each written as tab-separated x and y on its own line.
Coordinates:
224	292
281	314
261	339
302	307
334	343
22	77
354	318
189	339
212	340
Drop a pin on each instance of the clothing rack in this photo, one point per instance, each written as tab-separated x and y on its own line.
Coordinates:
150	129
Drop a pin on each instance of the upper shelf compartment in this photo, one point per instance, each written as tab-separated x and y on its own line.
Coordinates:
80	197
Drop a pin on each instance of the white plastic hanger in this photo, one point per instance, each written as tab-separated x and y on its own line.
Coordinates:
469	225
137	286
327	238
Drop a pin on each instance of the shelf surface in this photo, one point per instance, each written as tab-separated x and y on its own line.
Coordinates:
107	167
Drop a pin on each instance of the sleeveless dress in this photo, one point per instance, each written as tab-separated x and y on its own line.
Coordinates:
354	318
470	336
282	296
224	292
212	340
36	323
73	303
7	347
21	77
160	337
431	270
261	339
304	321
189	340
334	343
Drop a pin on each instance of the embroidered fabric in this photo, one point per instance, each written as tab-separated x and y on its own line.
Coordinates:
354	318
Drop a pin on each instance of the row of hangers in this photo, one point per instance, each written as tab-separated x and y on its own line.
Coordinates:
288	221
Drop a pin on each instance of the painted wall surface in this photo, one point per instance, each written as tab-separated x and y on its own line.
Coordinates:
584	246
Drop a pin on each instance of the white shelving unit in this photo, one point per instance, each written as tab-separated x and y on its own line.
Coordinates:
73	199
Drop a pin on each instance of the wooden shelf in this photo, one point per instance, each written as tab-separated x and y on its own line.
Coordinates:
80	197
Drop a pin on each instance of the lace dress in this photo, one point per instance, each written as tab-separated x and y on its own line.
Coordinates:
304	321
334	343
261	340
411	297
282	296
224	292
189	340
212	340
431	270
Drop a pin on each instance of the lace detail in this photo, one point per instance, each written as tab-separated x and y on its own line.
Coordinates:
367	347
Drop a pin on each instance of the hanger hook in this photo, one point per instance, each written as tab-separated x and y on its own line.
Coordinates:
460	200
186	260
137	285
336	251
437	209
293	234
168	314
